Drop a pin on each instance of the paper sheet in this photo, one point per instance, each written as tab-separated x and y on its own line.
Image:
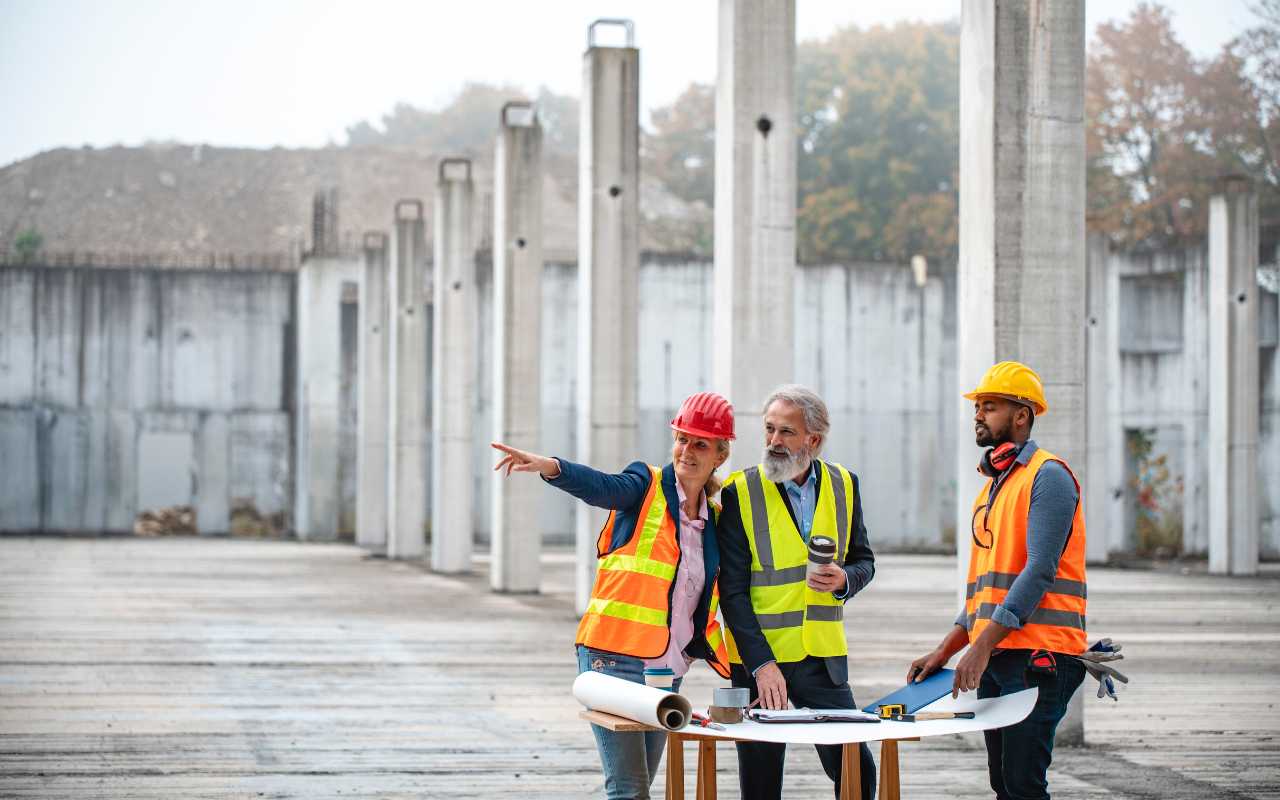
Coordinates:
635	701
994	712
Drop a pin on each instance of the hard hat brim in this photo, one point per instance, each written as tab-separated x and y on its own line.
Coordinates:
1038	408
692	431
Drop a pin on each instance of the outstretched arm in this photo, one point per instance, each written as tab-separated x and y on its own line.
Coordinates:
601	489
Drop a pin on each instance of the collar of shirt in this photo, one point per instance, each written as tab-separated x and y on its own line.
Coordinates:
803	499
810	483
702	510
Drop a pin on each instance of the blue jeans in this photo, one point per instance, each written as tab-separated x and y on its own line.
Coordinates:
630	759
1018	756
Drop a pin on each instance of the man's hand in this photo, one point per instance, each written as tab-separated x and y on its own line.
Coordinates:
969	671
771	687
926	665
827	578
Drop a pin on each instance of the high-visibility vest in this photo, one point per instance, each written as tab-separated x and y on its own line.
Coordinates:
630	608
1058	622
796	620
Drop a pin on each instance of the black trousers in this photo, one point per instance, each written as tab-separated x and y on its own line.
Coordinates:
1018	756
809	685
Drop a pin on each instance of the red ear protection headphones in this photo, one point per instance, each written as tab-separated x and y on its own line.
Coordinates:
997	459
992	464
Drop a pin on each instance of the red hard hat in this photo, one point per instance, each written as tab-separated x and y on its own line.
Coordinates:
705	414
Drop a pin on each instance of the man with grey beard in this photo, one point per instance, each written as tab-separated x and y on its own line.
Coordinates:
785	619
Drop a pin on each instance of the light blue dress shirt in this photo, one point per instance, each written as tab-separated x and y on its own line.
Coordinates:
804	498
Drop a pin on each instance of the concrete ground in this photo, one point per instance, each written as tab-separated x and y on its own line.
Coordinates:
196	668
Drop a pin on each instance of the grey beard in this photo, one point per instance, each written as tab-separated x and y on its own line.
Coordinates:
784	468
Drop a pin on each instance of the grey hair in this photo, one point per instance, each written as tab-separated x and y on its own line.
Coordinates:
816	419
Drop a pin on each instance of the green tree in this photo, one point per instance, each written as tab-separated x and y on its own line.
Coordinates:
469	122
878	118
1163	126
27	243
681	149
1257	53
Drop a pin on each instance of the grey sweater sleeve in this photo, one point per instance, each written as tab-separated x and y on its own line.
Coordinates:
1053	506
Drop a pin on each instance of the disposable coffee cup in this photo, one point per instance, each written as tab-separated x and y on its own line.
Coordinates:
659	677
822	551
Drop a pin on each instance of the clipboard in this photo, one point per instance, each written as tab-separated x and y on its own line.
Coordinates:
916	696
801	715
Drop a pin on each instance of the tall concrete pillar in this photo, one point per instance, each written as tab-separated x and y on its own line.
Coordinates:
1104	465
1022	283
374	352
407	387
317	419
608	273
454	345
1233	380
755	210
517	344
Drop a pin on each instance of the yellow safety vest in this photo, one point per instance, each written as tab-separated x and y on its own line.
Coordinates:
797	621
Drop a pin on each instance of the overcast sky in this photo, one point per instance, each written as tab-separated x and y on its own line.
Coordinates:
258	73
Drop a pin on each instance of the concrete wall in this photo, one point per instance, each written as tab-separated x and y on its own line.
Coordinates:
879	349
1164	400
123	390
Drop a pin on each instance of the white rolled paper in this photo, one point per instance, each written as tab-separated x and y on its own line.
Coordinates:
635	701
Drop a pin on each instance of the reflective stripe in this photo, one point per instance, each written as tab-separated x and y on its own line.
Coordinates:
655	514
1004	580
778	577
787	619
826	613
842	510
795	619
627	611
759	517
628	563
1041	616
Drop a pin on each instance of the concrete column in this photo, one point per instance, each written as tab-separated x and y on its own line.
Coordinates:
317	489
407	387
1022	283
755	211
1104	466
608	273
454	348
374	352
1233	380
517	344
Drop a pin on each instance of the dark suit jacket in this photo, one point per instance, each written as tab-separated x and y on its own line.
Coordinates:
624	493
735	577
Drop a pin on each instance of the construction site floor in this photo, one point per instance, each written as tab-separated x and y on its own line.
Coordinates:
227	668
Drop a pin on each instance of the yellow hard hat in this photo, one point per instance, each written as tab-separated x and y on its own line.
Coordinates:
1015	381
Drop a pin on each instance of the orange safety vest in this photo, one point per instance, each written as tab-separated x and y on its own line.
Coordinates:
630	607
1058	622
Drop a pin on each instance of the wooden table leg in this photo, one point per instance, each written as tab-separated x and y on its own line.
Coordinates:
706	769
890	785
675	767
850	773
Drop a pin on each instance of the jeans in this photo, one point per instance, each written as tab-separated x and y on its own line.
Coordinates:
809	685
1018	756
630	759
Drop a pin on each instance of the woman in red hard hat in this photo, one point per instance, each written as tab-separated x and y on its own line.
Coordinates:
653	606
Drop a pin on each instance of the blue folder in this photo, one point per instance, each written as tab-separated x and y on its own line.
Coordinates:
916	696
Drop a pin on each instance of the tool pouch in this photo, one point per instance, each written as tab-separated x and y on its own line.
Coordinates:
1042	662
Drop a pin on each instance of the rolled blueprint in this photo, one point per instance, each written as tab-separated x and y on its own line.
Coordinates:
635	701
